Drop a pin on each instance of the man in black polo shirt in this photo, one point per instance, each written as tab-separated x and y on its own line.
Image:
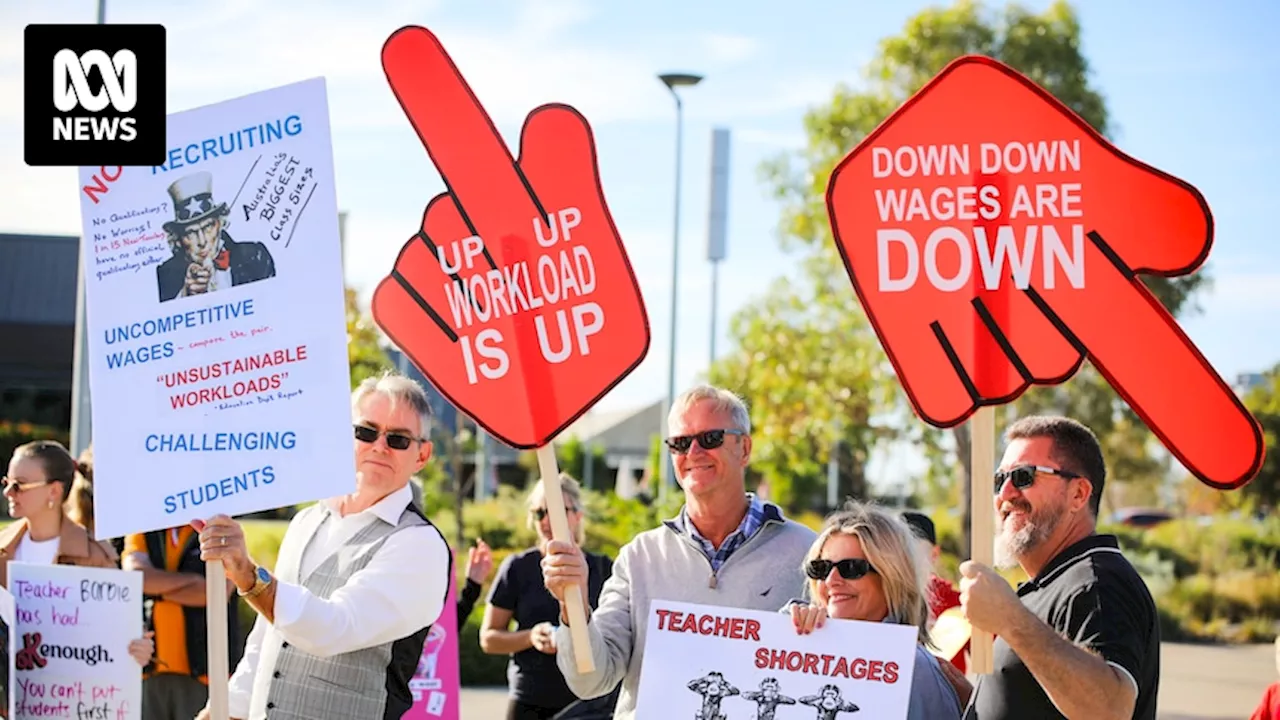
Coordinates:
1081	638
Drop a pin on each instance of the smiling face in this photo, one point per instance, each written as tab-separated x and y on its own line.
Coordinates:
704	472
1028	517
381	468
861	599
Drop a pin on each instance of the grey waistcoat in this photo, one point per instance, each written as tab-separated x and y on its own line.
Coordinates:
365	684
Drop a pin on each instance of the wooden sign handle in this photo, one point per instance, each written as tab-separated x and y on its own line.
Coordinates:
982	453
550	470
215	585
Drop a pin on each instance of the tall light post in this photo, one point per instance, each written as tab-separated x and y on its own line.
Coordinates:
717	220
673	81
81	407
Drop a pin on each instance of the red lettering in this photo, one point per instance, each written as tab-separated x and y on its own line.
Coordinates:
690	624
826	664
858	668
109	177
706	624
777	659
753	630
811	663
762	657
735	630
891	672
842	668
722	626
794	661
662	619
873	672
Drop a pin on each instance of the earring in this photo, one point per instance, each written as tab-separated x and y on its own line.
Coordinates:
50	504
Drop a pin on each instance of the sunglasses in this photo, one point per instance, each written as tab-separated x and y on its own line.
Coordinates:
395	441
1024	476
17	486
708	439
849	568
541	513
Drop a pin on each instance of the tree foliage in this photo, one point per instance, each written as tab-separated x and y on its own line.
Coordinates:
806	357
364	353
1264	402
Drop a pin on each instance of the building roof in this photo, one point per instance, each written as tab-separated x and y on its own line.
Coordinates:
38	279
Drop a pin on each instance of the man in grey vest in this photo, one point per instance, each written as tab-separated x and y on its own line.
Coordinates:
359	580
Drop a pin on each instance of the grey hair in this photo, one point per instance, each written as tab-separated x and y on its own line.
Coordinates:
397	388
722	400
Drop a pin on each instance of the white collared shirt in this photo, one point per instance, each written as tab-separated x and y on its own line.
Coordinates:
399	592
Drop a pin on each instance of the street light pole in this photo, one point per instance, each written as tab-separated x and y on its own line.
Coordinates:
673	81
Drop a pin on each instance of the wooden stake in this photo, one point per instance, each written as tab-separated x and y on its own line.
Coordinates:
982	453
550	470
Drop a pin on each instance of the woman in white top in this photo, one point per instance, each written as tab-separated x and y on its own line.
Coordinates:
38	482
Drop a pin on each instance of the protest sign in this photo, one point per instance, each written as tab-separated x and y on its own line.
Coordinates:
74	625
997	244
437	685
515	297
217	340
702	661
8	635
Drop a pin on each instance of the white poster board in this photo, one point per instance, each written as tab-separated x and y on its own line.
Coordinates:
216	318
74	626
7	645
731	663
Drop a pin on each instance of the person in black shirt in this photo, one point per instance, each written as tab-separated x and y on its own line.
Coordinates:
1081	638
537	688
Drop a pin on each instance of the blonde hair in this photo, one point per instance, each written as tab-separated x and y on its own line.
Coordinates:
570	489
890	546
79	504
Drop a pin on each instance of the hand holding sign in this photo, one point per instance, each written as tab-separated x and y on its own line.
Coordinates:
994	240
515	298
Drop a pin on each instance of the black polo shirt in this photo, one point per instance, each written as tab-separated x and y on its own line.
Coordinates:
1092	596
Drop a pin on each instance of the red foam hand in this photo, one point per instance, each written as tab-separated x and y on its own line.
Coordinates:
516	297
994	239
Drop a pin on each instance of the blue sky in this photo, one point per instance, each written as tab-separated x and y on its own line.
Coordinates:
1190	86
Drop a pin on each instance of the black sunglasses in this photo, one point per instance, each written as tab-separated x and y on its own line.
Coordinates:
1024	476
395	441
540	514
849	568
708	439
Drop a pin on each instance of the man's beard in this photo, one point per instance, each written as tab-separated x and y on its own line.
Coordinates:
1012	545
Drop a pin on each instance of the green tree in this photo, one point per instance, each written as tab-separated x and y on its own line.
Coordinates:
1264	402
365	354
808	382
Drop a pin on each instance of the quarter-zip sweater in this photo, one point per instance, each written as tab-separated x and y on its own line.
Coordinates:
666	563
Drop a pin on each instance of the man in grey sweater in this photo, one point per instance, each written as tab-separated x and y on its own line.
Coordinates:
726	548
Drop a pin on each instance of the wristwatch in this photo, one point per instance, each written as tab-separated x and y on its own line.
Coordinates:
262	579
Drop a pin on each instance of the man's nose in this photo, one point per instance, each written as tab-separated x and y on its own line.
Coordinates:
1007	492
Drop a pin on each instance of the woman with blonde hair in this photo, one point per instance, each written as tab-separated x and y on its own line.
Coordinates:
866	565
37	485
537	688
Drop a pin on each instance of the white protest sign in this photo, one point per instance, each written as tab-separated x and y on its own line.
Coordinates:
7	635
74	626
217	333
702	661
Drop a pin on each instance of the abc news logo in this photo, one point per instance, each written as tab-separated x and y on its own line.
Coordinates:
95	95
